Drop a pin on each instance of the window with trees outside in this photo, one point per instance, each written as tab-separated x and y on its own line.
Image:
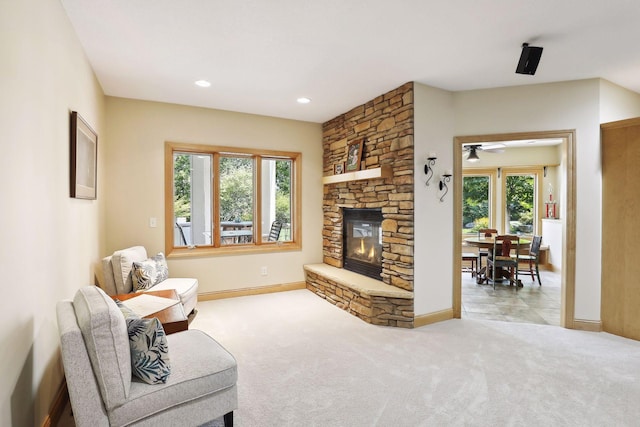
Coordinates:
224	199
517	196
477	197
520	203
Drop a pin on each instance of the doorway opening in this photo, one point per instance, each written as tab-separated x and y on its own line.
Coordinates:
514	195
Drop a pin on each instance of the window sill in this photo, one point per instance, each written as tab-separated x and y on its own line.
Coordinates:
177	253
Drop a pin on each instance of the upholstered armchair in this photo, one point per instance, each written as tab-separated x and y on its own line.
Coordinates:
97	359
118	277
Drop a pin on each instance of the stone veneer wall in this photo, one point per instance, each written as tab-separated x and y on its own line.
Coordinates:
386	124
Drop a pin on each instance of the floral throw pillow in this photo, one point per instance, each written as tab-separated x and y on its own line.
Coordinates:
150	272
149	350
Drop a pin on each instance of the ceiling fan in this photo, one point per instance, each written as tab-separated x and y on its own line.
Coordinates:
473	149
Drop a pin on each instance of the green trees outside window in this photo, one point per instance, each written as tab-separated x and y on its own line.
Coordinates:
475	206
520	203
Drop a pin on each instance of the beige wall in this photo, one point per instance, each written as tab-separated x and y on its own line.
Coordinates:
433	132
135	190
49	241
617	103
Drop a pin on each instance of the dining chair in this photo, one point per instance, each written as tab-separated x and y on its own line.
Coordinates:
500	260
473	258
274	233
183	238
533	257
484	232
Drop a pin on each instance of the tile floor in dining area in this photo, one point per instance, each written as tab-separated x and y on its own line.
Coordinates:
529	304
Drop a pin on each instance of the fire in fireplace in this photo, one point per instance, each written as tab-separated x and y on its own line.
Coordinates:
362	241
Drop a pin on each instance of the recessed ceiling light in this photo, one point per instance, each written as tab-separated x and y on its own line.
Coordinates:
203	83
304	100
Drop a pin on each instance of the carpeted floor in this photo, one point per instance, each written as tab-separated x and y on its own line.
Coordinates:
304	362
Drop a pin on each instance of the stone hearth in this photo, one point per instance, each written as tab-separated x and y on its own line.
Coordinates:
364	297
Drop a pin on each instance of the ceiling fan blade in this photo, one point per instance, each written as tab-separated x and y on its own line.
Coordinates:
494	148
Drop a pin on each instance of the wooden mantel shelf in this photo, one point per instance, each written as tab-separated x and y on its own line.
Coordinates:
381	172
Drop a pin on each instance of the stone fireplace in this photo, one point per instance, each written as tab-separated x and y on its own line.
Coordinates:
362	241
385	125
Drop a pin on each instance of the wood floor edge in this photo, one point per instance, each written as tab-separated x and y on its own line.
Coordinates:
210	296
427	319
57	406
587	325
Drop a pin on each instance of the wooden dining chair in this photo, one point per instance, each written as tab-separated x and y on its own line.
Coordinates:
500	259
533	257
473	259
484	232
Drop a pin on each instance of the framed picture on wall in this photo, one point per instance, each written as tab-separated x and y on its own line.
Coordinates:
84	158
354	154
338	168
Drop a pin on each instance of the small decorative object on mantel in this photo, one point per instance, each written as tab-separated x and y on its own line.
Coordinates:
354	154
83	158
338	168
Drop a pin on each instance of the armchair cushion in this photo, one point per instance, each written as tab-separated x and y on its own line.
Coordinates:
201	368
149	350
186	288
105	335
148	273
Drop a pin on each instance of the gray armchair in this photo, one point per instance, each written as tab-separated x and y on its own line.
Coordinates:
97	363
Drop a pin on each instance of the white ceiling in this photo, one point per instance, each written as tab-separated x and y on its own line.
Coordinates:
261	55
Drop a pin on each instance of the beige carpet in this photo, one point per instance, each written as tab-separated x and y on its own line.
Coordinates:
304	362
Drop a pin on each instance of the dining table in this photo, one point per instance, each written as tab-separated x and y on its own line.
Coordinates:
483	242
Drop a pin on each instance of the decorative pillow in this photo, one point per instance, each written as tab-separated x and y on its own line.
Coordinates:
150	272
126	311
149	350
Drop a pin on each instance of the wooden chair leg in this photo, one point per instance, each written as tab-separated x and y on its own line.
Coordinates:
531	270
538	273
228	419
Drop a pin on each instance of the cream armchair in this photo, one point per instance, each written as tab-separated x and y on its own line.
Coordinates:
117	277
96	356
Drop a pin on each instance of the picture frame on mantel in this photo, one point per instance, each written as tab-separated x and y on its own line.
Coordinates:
338	168
83	163
354	155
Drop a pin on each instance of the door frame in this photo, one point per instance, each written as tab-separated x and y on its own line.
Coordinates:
568	173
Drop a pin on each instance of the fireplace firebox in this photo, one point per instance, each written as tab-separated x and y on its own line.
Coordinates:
362	241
